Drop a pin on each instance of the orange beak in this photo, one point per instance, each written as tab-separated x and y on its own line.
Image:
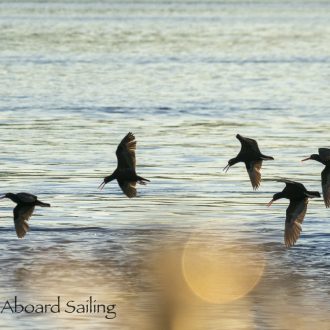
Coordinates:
305	159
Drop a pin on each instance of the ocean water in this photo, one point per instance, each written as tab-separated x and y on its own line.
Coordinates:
185	77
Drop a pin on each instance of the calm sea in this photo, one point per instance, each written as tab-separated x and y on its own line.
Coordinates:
185	77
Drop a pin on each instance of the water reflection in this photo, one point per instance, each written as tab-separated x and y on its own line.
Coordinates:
185	78
169	280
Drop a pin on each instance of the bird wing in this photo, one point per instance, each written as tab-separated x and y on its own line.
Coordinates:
293	184
248	144
128	188
126	152
22	213
295	214
253	168
324	154
325	176
26	197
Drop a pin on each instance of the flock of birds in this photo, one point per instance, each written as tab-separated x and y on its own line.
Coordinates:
250	154
295	192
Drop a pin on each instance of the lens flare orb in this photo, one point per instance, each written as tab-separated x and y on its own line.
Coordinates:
219	271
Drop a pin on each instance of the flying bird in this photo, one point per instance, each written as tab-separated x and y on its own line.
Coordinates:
23	210
252	157
125	172
323	157
295	213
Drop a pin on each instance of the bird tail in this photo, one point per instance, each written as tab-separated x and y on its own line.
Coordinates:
312	194
39	203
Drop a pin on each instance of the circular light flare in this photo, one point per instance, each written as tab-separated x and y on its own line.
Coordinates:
219	272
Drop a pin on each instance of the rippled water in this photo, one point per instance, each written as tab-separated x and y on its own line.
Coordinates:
185	77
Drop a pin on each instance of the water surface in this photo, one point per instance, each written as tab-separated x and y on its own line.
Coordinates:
185	77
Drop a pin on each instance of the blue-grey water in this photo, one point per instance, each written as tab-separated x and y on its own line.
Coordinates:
185	77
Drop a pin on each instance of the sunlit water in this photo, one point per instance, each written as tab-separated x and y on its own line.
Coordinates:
185	78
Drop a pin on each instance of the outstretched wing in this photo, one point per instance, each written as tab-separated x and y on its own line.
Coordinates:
253	168
325	176
126	152
248	144
324	154
26	197
128	188
22	213
295	214
292	184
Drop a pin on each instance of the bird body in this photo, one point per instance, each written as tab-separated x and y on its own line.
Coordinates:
323	157
252	157
24	209
125	173
296	211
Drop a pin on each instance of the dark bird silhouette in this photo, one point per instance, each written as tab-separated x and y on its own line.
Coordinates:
295	213
324	158
125	172
252	157
23	210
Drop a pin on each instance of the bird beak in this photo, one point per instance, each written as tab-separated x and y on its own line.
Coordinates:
270	203
305	159
226	168
101	186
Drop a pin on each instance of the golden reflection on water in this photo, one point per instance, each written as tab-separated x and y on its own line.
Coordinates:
220	272
174	286
171	281
191	276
